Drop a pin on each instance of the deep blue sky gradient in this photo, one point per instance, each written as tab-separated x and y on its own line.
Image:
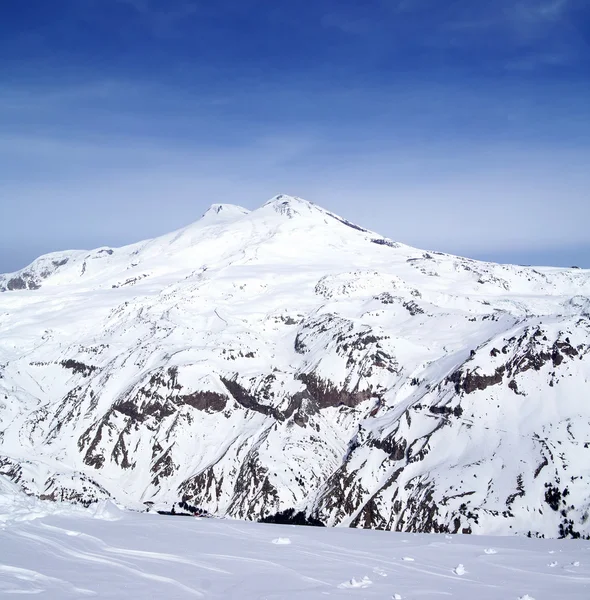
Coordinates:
458	125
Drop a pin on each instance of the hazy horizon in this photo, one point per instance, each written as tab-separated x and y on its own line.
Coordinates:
558	257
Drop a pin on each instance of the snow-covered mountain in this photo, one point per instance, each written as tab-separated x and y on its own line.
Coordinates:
285	358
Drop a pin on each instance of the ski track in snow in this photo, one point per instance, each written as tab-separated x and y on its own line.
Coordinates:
72	555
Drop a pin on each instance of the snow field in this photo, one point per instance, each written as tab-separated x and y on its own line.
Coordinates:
107	553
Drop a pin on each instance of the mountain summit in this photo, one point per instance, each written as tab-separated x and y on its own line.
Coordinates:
285	359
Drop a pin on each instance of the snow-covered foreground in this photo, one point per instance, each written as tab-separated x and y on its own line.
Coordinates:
112	554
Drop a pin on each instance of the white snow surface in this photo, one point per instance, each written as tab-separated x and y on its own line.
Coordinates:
283	358
76	553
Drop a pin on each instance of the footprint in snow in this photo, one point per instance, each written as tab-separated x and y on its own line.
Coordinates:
490	551
408	558
379	571
552	564
576	563
459	570
281	541
356	583
525	597
397	597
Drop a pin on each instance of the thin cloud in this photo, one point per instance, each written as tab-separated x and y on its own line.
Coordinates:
511	34
531	18
555	9
535	61
347	24
162	18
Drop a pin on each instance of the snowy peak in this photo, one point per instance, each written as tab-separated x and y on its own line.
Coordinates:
224	212
286	199
288	230
280	225
307	213
291	206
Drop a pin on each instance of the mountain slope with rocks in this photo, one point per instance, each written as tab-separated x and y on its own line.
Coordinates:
285	358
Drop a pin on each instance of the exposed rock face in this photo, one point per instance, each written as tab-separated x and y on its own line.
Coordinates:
39	480
288	365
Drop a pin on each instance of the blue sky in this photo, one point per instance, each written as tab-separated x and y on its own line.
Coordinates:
453	125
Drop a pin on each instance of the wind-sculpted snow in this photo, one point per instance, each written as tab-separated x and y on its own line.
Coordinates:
58	551
285	359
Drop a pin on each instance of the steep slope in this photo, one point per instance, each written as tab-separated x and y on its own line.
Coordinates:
284	358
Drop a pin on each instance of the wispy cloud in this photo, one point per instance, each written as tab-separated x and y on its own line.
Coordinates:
536	60
530	18
552	9
347	23
162	18
513	34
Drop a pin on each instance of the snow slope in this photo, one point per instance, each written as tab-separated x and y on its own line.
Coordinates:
108	553
284	358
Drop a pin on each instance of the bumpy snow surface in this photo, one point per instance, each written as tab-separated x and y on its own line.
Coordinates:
284	358
60	552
